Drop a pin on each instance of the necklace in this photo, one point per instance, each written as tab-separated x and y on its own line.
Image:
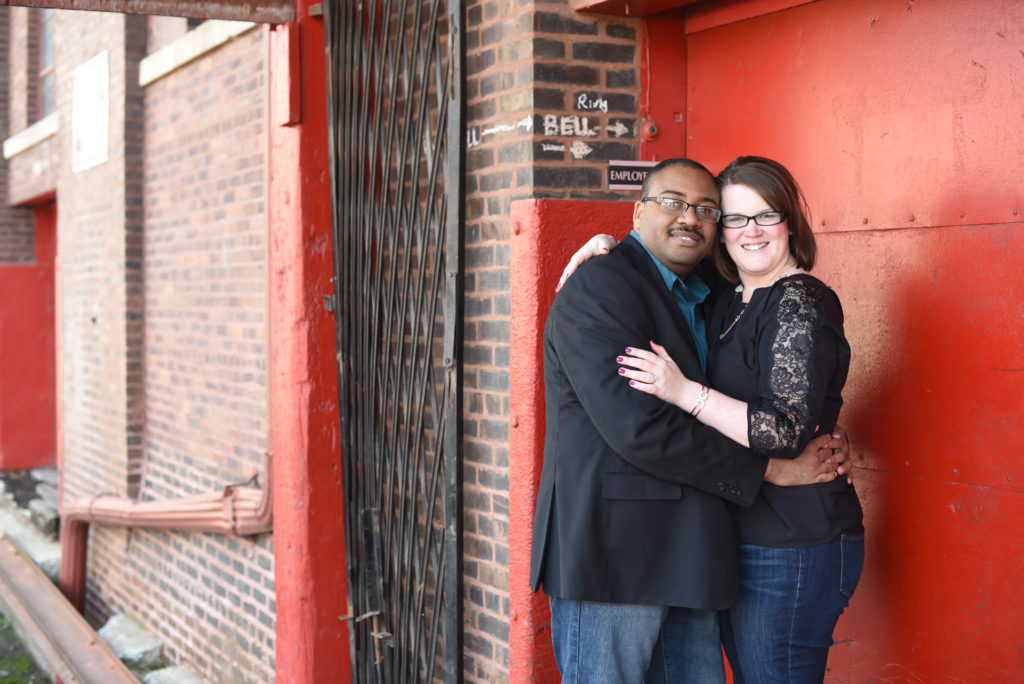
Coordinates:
743	305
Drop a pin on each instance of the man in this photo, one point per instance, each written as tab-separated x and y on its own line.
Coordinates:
632	526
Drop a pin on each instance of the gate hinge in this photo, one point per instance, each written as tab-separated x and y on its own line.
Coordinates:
330	303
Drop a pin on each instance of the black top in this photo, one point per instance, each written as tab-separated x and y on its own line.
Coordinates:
784	353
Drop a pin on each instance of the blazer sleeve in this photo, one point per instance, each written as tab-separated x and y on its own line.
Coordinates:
600	311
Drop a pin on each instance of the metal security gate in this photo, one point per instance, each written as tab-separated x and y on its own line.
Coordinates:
395	99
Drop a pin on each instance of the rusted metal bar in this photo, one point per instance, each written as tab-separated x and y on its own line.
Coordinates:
60	639
234	511
259	11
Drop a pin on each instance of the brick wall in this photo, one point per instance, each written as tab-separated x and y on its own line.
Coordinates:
163	30
93	302
164	329
31	173
17	230
552	95
206	354
23	65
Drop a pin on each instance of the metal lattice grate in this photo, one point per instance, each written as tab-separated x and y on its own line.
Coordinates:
395	93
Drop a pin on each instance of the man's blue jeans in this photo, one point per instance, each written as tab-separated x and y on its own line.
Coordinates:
780	627
619	643
689	650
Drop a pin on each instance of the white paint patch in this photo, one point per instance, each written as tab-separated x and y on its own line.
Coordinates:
500	128
589	102
617	128
580	149
569	125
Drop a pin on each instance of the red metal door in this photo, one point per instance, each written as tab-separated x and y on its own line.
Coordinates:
27	356
902	120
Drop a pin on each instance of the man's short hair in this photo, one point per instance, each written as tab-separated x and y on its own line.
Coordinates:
674	161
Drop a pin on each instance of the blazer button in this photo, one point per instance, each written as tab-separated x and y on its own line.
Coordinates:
721	486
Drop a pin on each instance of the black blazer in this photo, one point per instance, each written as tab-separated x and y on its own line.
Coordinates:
631	506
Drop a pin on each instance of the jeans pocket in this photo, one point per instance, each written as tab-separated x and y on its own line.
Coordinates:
852	550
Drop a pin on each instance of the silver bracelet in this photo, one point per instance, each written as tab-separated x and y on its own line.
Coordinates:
701	398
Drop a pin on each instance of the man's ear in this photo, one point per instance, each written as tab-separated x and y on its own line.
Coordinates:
638	209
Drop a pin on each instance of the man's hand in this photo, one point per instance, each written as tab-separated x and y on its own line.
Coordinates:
599	244
817	463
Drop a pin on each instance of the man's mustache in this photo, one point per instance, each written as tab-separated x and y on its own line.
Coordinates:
695	234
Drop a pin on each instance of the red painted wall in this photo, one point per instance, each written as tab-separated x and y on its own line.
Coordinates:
27	357
545	233
902	122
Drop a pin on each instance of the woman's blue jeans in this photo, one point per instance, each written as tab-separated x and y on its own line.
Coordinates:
780	627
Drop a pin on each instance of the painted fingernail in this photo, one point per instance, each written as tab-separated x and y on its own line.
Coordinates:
629	350
632	382
619	359
622	371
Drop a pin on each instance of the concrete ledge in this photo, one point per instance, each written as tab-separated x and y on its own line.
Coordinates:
172	675
42	551
208	36
31	136
137	648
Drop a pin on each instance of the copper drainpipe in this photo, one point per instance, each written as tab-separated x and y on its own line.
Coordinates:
237	510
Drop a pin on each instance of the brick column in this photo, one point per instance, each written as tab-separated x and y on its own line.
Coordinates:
552	95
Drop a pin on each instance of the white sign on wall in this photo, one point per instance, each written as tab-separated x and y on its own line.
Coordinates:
90	113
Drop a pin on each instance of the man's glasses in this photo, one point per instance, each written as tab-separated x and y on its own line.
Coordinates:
675	207
767	218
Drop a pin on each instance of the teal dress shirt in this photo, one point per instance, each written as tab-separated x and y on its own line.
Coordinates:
689	294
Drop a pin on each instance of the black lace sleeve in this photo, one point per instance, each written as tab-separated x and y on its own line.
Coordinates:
802	356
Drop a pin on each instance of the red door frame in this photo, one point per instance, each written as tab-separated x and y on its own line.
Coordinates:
309	553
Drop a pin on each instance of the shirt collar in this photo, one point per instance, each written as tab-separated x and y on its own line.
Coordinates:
694	289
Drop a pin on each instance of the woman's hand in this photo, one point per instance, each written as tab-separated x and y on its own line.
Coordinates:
599	244
841	456
656	373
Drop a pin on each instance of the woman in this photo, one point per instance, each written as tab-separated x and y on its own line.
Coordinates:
778	361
